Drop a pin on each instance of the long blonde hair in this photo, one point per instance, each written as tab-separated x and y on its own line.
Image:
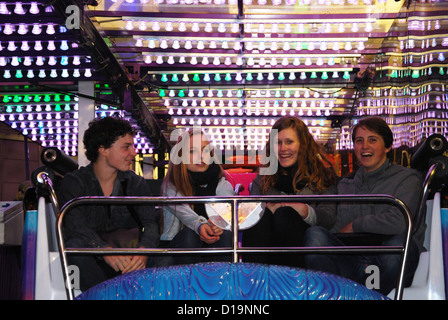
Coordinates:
177	173
313	166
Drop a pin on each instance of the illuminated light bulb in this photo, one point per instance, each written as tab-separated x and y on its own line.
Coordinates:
129	25
225	45
308	61
87	73
23	29
42	73
139	43
185	77
335	74
274	46
285	61
34	9
441	57
51	45
176	44
273	61
25	46
159	60
208	27
235	28
348	45
205	61
319	61
368	27
64	45
7	74
64	73
52	61
361	46
222	28
148	59
170	60
18	9
355	27
260	77
227	61
11	46
169	26
292	76
163	44
341	27
15	61
324	75
311	46
151	44
302	75
239	61
193	61
76	60
39	61
182	27
238	77
50	29
142	26
188	45
346	75
195	27
331	61
2	61
53	73
37	29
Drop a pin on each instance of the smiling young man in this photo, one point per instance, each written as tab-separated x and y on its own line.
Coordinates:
372	140
109	144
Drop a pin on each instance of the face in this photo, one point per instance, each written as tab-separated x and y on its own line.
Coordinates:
199	149
370	149
120	154
286	147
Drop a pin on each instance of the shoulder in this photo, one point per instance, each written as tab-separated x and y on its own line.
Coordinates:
224	187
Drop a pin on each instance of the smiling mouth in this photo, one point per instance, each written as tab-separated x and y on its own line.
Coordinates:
366	155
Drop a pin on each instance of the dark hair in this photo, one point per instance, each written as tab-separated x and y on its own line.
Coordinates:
377	125
103	133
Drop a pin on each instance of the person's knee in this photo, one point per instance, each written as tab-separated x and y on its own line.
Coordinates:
316	236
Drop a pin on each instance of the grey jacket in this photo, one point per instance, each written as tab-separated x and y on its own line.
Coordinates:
395	180
175	217
321	214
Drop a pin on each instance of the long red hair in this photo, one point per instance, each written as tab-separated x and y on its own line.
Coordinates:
313	167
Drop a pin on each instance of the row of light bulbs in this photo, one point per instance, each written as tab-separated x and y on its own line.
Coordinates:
37	46
250	27
249	45
257	2
20	9
53	73
28	61
34	28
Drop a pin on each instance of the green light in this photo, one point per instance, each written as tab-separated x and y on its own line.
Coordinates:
313	75
228	77
164	77
67	98
36	98
162	93
57	97
19	109
47	98
394	74
9	109
249	77
5	99
196	77
415	74
219	94
441	72
16	99
26	98
174	78
19	74
67	107
239	93
281	76
324	75
217	77
346	75
260	77
57	108
181	93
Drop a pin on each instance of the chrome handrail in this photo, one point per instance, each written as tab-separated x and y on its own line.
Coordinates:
44	179
235	249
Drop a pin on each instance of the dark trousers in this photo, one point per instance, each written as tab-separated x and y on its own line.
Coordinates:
284	228
354	266
187	238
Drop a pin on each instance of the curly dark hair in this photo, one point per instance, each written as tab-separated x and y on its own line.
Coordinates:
103	133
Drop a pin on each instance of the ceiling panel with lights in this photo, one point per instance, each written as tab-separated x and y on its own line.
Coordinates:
231	67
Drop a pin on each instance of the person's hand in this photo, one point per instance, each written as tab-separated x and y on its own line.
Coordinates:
135	263
217	231
118	263
207	234
347	229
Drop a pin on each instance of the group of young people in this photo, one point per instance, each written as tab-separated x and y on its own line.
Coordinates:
303	169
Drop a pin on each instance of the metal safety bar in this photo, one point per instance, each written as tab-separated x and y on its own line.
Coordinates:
235	249
45	180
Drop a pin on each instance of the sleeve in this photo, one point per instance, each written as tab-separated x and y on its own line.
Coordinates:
75	221
183	212
326	212
147	215
390	220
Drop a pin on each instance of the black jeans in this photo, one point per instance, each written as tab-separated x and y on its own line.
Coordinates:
284	228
